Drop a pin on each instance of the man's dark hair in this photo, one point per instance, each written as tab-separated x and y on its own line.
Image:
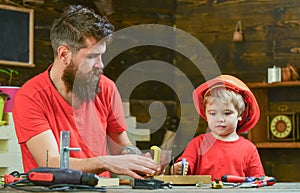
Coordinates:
76	24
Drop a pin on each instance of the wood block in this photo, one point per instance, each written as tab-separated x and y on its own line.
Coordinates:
3	171
185	180
3	145
131	122
15	168
138	135
126	107
7	132
10	159
108	182
8	117
13	146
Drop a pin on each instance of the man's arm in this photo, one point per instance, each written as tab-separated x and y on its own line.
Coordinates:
129	165
116	142
45	142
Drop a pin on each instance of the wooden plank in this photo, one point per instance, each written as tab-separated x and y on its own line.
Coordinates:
278	145
184	180
108	182
275	84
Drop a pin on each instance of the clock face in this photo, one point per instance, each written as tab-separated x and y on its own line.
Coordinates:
281	126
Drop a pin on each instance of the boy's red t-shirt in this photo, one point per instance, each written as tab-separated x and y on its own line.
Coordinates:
209	156
39	107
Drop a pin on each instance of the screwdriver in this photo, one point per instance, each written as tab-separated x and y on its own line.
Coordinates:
266	180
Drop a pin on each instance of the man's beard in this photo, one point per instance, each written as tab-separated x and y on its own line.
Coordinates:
84	86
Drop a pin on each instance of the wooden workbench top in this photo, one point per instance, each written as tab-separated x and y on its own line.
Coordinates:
276	188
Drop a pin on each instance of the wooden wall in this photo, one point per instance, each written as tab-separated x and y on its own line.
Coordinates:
271	31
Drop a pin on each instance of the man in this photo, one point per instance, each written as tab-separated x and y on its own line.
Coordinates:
74	95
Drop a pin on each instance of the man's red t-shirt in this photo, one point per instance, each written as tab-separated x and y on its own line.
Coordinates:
39	107
207	155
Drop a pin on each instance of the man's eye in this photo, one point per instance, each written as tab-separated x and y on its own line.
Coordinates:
91	57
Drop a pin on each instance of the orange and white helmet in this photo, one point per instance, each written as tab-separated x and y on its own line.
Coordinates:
251	113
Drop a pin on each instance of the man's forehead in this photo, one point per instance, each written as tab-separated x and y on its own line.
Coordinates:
98	47
93	45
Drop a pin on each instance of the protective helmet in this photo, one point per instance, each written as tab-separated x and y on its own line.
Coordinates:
251	113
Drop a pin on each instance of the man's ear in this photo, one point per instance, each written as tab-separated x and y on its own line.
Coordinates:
63	53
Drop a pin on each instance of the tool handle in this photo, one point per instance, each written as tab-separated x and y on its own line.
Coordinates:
8	179
268	180
183	166
156	151
46	176
237	179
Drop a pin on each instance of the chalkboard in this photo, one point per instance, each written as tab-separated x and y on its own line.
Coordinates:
16	36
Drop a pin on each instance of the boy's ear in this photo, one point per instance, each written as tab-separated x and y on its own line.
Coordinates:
240	118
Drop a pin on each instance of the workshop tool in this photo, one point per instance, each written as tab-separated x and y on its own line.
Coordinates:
156	151
248	182
185	180
56	179
237	179
264	180
217	184
13	177
47	176
65	149
267	180
149	184
183	166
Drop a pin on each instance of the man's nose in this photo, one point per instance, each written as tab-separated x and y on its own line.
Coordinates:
99	64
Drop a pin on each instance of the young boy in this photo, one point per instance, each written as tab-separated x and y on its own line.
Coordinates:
230	108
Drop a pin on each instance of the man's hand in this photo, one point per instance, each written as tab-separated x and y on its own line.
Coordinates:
134	166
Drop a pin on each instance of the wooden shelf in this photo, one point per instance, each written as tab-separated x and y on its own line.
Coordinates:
278	145
274	84
261	92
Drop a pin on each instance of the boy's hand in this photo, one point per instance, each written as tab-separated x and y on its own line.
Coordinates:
176	169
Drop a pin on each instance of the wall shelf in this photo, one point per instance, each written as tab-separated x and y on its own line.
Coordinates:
259	134
274	84
10	152
277	144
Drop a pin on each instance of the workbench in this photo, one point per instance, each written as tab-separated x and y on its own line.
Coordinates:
276	188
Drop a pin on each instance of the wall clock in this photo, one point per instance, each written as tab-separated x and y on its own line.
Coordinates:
282	126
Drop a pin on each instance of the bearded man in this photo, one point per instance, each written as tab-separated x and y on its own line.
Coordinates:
73	95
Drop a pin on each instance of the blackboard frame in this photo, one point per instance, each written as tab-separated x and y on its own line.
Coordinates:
27	17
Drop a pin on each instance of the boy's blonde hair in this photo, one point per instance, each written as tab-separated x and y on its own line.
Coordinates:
225	96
